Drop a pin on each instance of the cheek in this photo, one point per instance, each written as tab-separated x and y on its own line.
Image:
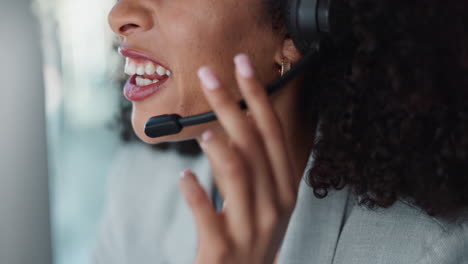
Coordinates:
192	99
192	43
192	38
201	34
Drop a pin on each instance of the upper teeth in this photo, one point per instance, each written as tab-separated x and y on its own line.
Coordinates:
133	67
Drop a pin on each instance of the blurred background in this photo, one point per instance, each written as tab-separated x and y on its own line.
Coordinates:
80	66
82	96
60	66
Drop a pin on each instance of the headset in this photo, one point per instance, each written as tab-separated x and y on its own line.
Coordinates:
310	23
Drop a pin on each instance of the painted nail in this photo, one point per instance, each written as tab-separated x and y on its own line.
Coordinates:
243	66
207	135
208	78
187	182
185	173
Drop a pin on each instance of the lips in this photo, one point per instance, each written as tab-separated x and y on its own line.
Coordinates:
147	75
134	92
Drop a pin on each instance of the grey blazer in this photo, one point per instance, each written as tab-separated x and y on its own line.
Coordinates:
147	221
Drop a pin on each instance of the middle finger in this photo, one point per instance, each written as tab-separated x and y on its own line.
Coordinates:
244	135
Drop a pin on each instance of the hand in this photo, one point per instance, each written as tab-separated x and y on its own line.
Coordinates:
253	171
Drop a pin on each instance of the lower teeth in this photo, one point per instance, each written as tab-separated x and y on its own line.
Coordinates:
144	82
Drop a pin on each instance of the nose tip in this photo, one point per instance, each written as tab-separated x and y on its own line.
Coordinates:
127	17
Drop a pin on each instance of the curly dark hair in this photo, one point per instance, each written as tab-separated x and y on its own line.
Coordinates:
391	100
394	123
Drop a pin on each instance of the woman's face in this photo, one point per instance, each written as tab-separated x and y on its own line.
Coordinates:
182	36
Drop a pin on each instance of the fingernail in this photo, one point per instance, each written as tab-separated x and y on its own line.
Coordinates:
208	78
185	173
187	180
243	66
207	135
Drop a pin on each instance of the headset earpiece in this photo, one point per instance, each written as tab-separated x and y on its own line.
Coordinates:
310	21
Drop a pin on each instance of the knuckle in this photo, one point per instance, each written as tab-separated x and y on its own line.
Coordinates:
276	130
234	168
270	219
247	238
250	238
197	199
288	202
255	90
252	142
220	100
220	251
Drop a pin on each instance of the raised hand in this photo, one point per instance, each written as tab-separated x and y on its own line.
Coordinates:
253	171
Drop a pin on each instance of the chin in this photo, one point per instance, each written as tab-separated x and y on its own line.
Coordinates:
139	128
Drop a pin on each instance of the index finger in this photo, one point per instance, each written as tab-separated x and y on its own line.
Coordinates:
229	114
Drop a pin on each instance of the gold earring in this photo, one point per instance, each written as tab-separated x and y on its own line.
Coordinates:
285	66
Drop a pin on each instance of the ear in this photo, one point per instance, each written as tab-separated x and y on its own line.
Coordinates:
288	51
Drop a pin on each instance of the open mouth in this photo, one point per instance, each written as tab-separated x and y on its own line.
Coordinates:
147	72
146	75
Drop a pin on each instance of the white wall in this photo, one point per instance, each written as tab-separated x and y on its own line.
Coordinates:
24	211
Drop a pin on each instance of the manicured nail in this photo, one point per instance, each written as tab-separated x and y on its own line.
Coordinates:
187	182
208	78
243	66
185	173
207	135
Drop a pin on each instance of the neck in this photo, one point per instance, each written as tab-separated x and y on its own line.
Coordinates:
298	131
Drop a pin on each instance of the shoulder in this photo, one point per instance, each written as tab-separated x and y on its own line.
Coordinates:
143	178
137	167
446	240
143	202
403	233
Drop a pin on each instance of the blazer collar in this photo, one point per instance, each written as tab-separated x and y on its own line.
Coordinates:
315	225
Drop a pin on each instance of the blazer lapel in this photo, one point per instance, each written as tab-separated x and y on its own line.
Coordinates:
311	237
315	226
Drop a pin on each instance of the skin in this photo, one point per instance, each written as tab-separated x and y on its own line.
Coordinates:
258	157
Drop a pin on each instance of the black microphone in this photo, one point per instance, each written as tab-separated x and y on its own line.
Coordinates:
165	125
